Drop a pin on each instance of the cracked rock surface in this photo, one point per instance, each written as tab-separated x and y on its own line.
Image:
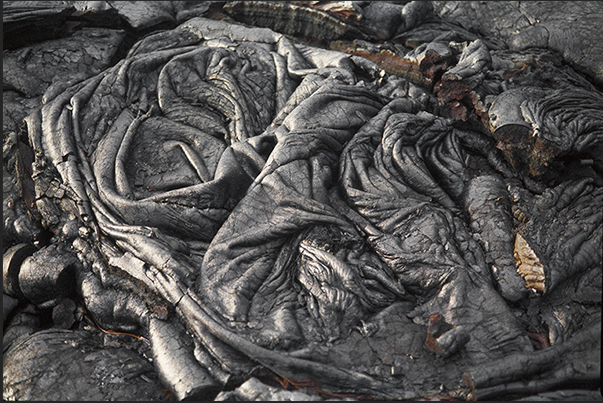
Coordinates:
302	200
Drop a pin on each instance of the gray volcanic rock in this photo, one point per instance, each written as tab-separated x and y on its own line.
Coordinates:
67	365
571	28
302	200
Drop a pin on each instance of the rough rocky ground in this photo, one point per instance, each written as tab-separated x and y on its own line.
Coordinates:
302	200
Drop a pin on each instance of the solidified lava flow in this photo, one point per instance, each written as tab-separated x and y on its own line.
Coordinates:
305	200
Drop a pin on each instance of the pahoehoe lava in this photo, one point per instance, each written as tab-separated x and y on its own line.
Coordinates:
256	200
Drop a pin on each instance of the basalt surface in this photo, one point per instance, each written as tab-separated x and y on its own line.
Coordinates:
302	200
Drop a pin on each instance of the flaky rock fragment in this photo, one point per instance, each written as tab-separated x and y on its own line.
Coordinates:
528	265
